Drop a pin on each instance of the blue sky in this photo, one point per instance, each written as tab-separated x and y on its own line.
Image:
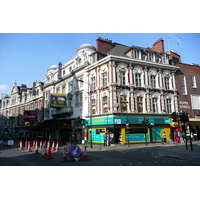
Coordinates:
24	57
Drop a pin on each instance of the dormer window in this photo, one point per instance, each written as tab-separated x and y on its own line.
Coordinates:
136	54
158	58
151	56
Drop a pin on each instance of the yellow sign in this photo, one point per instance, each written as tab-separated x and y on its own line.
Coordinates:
58	100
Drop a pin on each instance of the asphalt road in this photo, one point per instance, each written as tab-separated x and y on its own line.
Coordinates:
135	155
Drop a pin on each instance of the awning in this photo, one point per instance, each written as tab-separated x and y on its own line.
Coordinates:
194	120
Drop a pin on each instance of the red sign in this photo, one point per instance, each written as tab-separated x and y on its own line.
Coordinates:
127	125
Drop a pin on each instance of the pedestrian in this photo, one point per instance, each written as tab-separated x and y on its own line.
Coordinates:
171	138
111	138
192	136
181	138
164	137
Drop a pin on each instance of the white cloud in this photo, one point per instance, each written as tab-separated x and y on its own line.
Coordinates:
3	87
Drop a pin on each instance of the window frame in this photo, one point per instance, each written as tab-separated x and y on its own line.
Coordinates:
183	85
138	80
104	79
122	77
193	81
155	105
167	83
153	81
105	104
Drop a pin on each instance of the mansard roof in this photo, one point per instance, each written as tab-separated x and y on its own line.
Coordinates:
119	50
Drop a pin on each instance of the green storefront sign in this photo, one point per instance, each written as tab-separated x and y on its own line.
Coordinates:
123	119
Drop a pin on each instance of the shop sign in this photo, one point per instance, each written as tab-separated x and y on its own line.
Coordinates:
58	100
30	116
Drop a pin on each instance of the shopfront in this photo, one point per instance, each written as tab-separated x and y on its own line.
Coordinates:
114	126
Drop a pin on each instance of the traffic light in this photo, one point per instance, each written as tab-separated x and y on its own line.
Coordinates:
145	122
184	117
174	117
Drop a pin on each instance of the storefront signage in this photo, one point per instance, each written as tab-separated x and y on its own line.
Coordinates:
184	104
30	116
58	100
124	119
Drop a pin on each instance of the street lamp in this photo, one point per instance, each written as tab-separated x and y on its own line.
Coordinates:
127	123
90	110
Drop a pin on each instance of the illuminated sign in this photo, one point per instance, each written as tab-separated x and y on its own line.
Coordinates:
30	116
58	100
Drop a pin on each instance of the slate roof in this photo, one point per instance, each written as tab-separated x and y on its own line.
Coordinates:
119	50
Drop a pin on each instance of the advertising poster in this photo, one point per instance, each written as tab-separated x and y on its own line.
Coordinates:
58	100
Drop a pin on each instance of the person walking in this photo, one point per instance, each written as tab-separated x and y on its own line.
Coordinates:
164	137
181	138
171	138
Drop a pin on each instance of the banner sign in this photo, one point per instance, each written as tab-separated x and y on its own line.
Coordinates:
30	116
59	70
58	100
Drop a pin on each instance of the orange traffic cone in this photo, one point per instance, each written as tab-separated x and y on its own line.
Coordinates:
85	156
48	145
40	144
64	158
29	146
57	149
53	146
49	154
20	145
36	147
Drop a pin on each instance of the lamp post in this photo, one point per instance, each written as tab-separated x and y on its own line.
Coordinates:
90	111
127	124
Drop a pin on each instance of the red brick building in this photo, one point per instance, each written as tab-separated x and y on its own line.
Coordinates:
188	87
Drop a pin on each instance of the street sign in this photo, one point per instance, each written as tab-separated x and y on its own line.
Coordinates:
127	125
75	151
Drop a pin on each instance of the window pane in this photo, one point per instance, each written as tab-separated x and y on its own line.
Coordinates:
138	80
